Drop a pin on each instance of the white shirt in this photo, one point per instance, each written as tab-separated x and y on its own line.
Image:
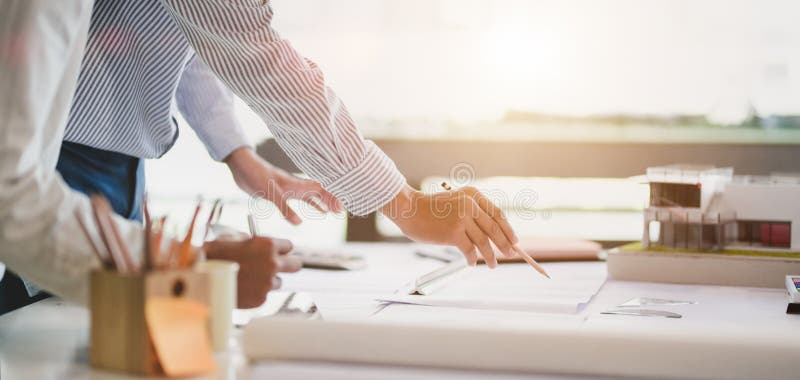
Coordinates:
42	45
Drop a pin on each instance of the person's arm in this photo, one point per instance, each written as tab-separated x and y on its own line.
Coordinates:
236	40
207	105
41	47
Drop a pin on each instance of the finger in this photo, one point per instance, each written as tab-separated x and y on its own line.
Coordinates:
333	203
315	195
288	264
313	199
276	283
282	246
468	249
492	229
220	249
482	242
494	212
288	213
281	200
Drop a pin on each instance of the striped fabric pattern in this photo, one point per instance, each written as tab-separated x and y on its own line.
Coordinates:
236	40
137	51
122	102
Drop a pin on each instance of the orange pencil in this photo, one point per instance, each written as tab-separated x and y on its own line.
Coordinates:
185	253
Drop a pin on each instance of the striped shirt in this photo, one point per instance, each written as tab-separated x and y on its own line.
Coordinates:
235	39
137	68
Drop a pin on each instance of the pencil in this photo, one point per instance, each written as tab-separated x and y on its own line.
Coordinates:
103	259
525	256
115	231
251	222
184	256
157	238
103	220
148	238
210	221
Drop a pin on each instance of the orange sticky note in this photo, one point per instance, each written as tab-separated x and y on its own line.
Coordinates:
179	330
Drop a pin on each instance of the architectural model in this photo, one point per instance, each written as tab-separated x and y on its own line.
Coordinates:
705	208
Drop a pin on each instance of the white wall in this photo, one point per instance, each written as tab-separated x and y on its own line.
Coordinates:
766	202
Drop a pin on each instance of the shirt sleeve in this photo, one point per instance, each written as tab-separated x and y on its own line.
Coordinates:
207	105
40	238
235	39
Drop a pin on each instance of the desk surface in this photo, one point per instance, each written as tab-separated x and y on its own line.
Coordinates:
49	340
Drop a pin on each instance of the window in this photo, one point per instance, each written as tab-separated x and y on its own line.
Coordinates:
674	194
764	233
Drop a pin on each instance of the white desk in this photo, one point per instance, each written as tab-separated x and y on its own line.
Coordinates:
49	340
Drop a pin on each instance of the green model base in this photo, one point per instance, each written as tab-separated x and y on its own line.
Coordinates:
736	252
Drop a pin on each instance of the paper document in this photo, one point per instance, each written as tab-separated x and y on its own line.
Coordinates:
450	316
514	287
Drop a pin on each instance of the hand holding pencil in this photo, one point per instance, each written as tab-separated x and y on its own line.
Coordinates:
463	218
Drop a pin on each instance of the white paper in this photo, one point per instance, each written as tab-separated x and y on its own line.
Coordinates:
515	287
452	316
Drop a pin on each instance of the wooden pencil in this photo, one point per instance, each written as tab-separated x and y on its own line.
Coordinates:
184	255
102	218
104	260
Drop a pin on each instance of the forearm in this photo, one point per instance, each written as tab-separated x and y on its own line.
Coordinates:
289	92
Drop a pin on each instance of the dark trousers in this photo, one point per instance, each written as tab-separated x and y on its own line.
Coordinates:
118	177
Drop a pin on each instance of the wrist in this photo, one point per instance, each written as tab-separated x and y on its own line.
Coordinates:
244	161
240	157
401	205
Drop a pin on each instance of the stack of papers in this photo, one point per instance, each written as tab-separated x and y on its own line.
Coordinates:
515	287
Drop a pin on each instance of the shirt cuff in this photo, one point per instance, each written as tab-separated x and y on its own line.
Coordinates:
222	145
370	185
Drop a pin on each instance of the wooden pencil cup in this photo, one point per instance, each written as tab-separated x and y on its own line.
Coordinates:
119	334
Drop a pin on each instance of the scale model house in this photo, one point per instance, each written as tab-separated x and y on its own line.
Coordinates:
709	209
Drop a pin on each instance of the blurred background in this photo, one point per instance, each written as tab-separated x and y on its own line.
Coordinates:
548	106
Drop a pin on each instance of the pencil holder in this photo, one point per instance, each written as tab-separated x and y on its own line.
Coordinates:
120	339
